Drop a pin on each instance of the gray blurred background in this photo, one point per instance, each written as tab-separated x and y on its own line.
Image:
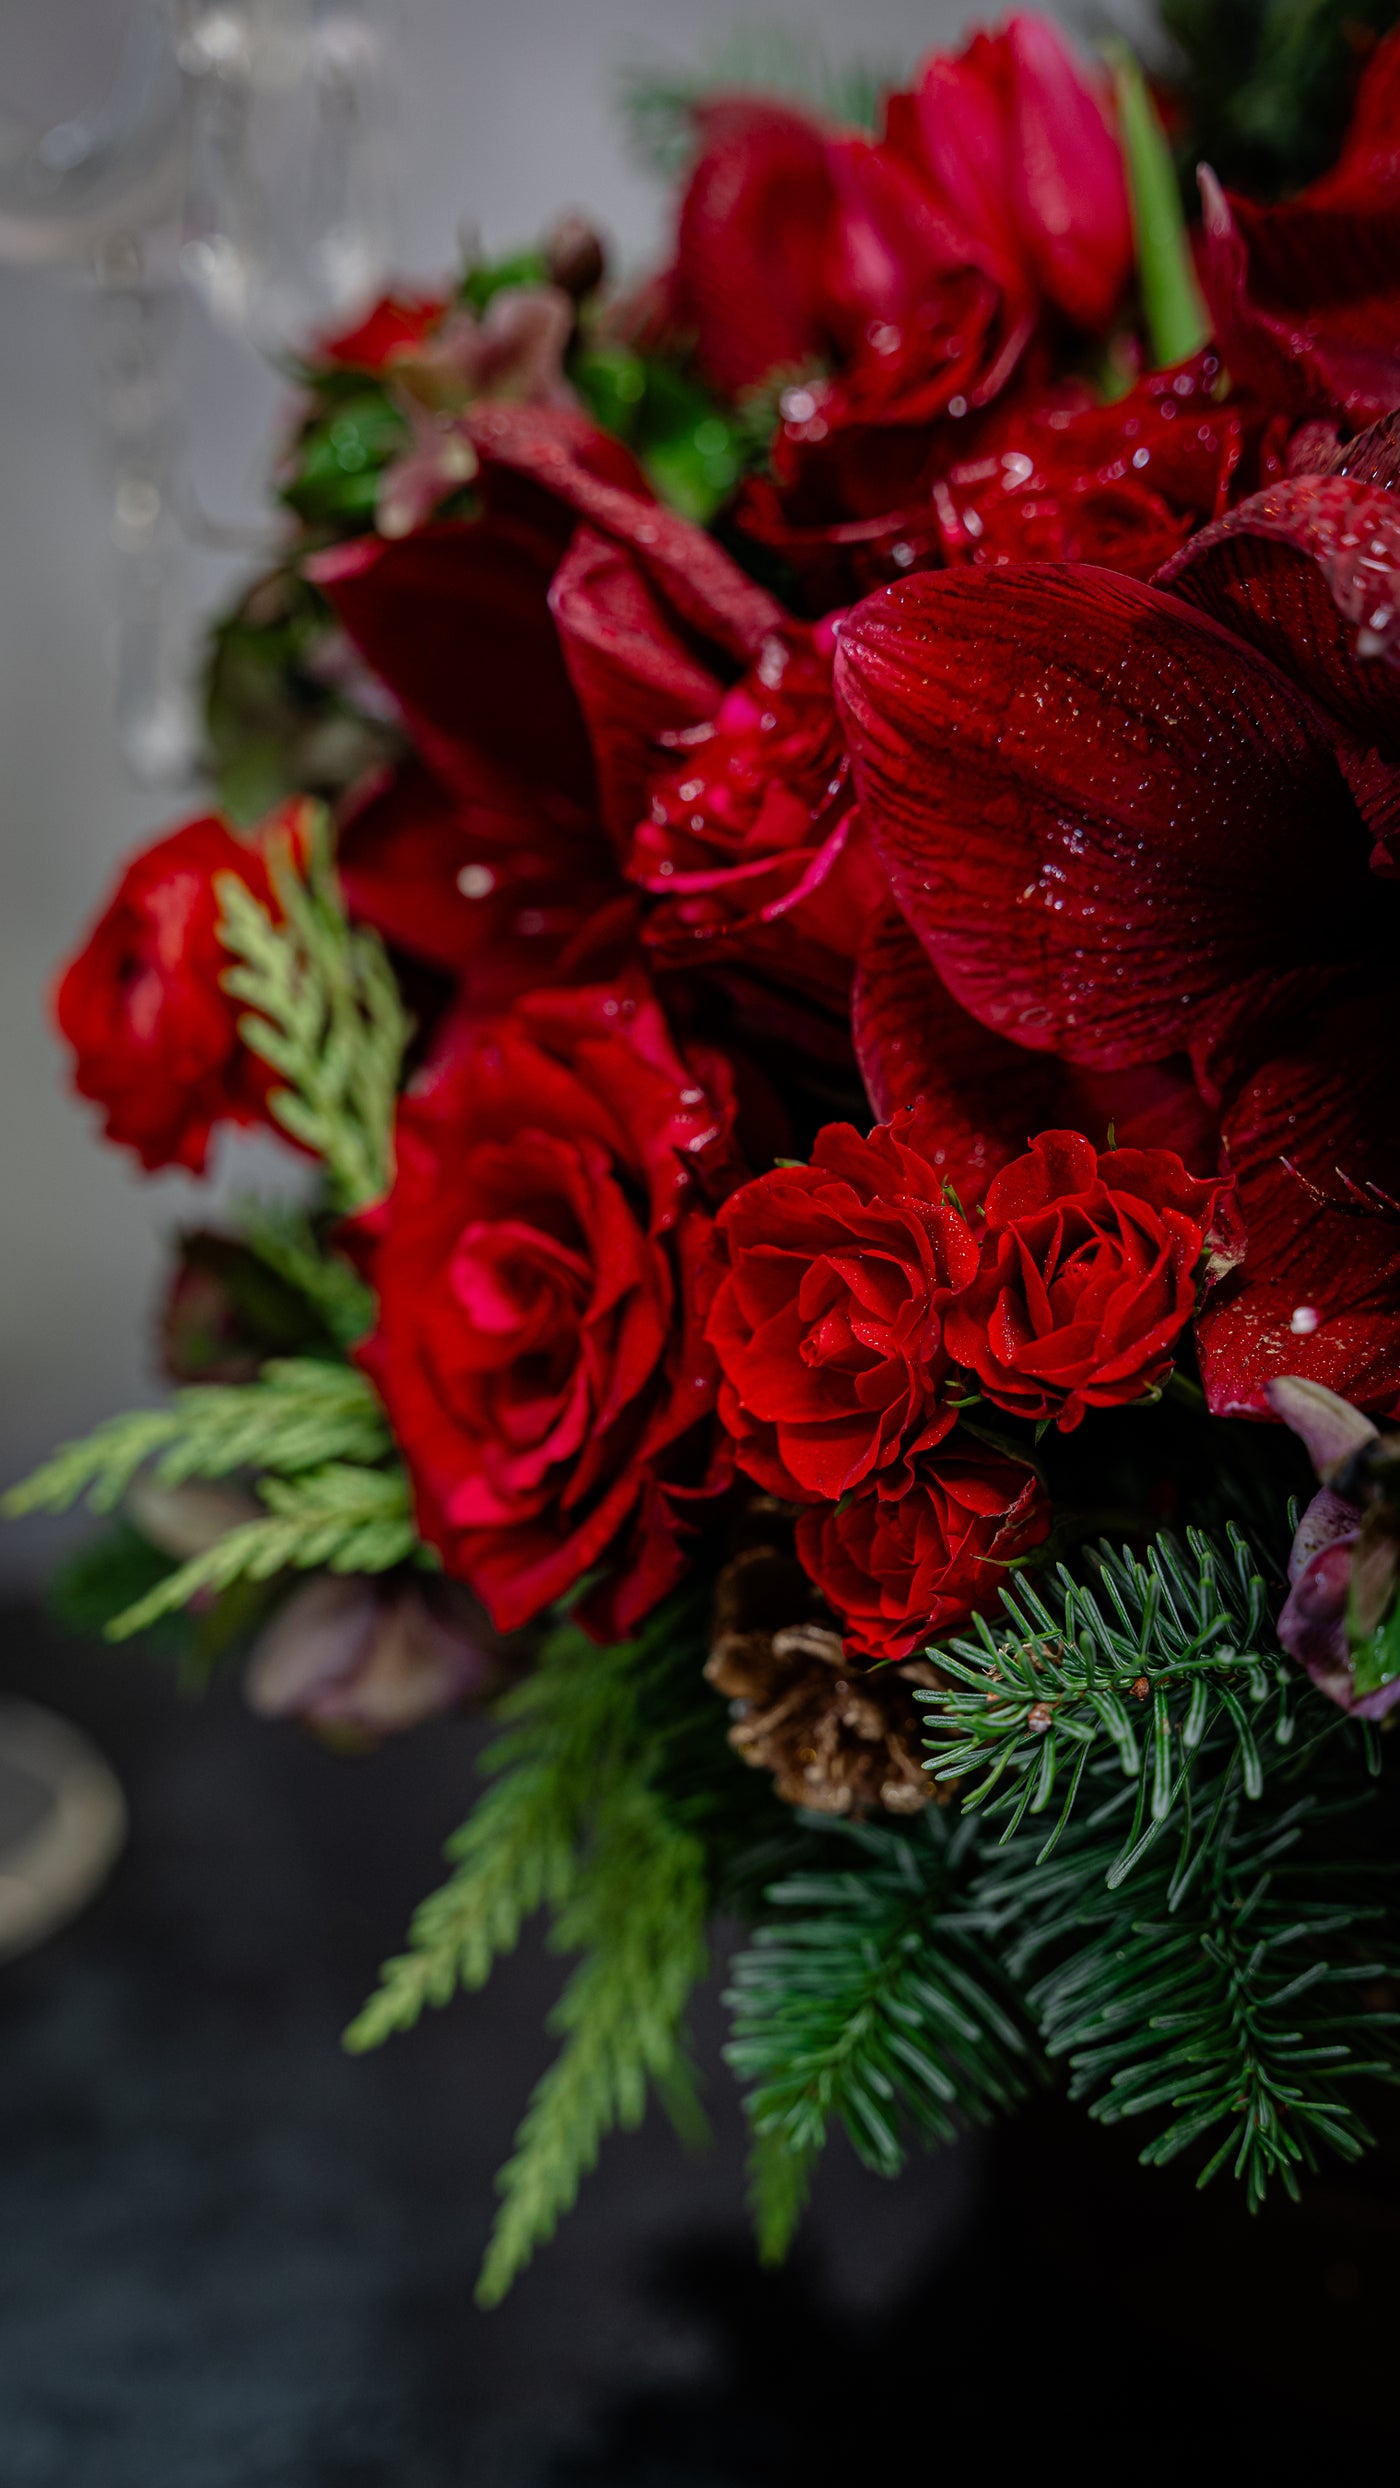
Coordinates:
505	114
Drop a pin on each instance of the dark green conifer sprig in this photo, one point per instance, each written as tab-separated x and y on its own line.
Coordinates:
870	2001
1143	1663
1238	1983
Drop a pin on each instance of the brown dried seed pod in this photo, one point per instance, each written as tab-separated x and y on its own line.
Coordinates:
835	1738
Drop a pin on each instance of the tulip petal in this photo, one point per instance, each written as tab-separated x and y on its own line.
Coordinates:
1044	759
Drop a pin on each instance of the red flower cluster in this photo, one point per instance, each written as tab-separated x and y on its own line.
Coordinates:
1084	823
853	1290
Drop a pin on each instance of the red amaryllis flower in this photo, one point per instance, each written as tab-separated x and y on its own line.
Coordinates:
751	283
751	843
1122	834
541	1268
1090	1268
154	1036
1306	295
1013	137
828	1319
900	1568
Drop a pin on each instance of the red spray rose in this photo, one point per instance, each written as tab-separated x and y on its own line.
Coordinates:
154	1036
828	1320
900	1568
1088	1276
541	1267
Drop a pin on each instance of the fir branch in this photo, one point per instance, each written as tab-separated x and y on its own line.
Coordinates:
339	1518
301	1414
780	2183
1221	1993
1148	1661
872	2001
286	1240
324	1011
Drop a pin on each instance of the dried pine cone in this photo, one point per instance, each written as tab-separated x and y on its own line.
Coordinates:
837	1739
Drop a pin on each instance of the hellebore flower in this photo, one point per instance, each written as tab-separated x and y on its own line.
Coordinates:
1129	839
1341	1619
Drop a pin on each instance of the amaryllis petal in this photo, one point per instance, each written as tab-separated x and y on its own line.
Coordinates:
635	674
1306	301
455	620
1314	1145
1309	571
1045	758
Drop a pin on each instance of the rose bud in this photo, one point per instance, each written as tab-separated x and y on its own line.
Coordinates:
360	1659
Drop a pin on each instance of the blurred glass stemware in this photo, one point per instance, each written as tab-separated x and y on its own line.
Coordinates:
237	147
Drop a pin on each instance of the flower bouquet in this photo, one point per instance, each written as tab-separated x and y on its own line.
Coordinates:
808	858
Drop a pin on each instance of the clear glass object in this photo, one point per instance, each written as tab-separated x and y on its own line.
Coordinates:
239	146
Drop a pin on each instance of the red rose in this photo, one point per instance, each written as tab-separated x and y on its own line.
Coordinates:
828	1321
1088	1277
540	1265
154	1036
900	1568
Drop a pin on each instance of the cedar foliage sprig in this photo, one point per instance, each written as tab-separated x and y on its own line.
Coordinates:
286	1240
338	1518
323	1010
583	1820
870	2001
301	1413
1146	1660
316	1432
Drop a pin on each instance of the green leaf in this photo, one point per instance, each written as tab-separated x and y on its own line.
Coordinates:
324	1011
1175	315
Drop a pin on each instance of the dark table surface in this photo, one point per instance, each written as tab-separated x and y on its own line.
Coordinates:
235	2258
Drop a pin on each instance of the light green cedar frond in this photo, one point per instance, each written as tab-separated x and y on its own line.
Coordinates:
566	1725
323	1011
637	1914
300	1414
339	1518
581	1820
286	1240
